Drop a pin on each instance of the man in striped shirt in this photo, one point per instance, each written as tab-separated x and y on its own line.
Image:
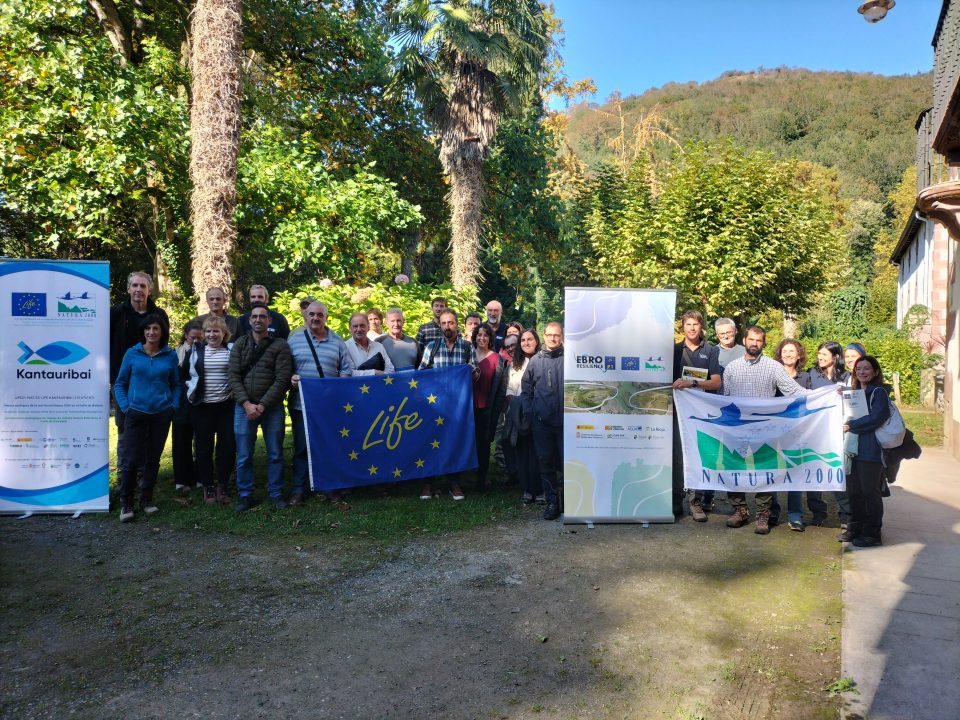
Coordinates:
755	375
317	353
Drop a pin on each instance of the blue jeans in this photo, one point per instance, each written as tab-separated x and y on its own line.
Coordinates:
245	431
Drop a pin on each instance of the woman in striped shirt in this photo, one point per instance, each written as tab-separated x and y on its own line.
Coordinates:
211	407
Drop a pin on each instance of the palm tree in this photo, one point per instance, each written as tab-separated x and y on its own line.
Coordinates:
217	40
469	62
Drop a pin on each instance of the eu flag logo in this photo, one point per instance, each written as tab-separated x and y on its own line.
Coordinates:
388	428
630	363
609	362
28	304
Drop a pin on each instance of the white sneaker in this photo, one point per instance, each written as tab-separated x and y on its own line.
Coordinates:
126	514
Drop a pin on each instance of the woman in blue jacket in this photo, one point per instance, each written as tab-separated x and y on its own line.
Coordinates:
865	482
147	391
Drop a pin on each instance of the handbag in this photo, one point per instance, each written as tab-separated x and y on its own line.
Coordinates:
893	431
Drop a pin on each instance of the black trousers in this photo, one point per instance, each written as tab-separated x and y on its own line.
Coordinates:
548	441
213	429
865	489
184	466
144	437
482	434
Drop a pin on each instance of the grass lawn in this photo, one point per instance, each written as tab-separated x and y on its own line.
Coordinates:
385	516
925	423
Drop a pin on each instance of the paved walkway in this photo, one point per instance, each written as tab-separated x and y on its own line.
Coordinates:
901	602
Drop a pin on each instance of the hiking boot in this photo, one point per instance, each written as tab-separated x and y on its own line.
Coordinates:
526	499
426	493
850	533
296	499
223	496
147	504
456	493
209	495
243	504
865	541
279	503
819	520
697	513
763	522
552	511
740	517
126	513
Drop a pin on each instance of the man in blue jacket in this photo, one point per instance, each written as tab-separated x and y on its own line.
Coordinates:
542	397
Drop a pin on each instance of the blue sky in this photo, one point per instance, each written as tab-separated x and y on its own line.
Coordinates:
633	45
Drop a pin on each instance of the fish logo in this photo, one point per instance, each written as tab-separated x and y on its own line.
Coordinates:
61	352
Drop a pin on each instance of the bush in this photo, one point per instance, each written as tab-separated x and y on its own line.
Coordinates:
344	300
894	350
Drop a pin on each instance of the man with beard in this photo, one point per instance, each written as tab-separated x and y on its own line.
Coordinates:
541	392
430	331
755	375
448	351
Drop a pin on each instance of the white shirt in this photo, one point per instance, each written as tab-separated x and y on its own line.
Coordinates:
359	356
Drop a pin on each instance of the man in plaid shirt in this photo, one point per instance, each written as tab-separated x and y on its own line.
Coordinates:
755	375
444	352
428	332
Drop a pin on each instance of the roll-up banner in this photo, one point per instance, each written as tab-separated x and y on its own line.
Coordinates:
54	386
618	405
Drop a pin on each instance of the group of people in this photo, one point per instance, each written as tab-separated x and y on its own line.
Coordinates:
230	377
744	371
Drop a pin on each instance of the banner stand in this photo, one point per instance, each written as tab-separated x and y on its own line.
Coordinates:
618	405
54	380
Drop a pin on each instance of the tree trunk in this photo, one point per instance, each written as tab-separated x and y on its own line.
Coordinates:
216	51
790	325
466	216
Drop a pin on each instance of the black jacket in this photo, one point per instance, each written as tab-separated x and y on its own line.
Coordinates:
125	331
260	373
541	390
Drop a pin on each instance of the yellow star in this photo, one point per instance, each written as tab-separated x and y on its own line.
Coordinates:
439	421
431	398
412	383
372	469
344	432
419	463
353	455
435	444
388	380
348	408
396	472
365	389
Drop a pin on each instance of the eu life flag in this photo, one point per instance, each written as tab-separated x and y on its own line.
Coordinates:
388	428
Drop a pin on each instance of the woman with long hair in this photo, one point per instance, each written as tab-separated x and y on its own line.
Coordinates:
828	368
865	481
205	369
518	451
793	356
489	389
147	391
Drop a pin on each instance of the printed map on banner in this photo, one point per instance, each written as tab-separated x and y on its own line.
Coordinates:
762	444
617	405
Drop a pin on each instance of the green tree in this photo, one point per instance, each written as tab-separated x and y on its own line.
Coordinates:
469	63
736	233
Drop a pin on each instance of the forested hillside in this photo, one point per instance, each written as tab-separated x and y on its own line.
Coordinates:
860	124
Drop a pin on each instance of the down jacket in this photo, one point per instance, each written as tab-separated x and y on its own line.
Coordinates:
260	372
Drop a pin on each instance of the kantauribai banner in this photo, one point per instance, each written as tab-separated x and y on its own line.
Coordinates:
618	432
762	444
54	385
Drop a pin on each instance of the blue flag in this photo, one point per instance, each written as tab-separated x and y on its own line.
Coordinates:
389	428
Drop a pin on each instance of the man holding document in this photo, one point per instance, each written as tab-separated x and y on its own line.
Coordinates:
696	364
